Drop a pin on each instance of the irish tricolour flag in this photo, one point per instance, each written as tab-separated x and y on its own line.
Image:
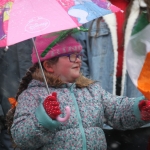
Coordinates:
138	55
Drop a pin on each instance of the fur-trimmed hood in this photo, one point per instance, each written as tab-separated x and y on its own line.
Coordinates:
57	82
112	24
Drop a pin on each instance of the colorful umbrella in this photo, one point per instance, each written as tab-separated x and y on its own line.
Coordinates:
24	19
138	55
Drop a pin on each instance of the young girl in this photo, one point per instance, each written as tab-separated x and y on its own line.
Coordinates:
34	122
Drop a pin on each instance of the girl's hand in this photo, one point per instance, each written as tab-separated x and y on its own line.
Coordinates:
51	106
144	107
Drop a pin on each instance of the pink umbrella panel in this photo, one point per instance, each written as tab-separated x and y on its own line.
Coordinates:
25	19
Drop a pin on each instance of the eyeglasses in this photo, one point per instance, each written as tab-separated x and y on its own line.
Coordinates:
73	56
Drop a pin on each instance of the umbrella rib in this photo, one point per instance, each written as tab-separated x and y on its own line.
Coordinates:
40	66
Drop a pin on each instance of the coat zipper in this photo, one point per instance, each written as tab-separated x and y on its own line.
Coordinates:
80	120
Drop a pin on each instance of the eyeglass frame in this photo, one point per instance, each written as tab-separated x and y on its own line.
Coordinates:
68	55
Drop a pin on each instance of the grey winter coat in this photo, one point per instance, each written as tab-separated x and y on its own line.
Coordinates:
33	128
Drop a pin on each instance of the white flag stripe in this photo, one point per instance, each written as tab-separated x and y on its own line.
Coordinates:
137	49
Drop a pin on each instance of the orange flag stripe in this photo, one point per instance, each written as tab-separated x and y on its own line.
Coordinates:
144	78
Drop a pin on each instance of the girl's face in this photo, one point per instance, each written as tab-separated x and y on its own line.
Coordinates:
66	70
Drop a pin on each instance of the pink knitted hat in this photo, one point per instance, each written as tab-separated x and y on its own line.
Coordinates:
68	45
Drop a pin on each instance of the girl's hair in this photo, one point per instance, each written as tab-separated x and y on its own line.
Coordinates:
35	73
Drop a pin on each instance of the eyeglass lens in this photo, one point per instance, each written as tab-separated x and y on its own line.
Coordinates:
73	57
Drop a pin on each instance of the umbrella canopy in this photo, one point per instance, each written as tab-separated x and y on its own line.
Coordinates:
24	19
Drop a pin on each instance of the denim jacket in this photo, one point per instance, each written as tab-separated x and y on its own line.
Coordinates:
100	53
99	60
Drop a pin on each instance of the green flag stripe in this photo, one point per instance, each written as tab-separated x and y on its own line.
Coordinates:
142	22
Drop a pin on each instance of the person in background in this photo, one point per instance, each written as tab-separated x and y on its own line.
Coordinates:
14	62
104	48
